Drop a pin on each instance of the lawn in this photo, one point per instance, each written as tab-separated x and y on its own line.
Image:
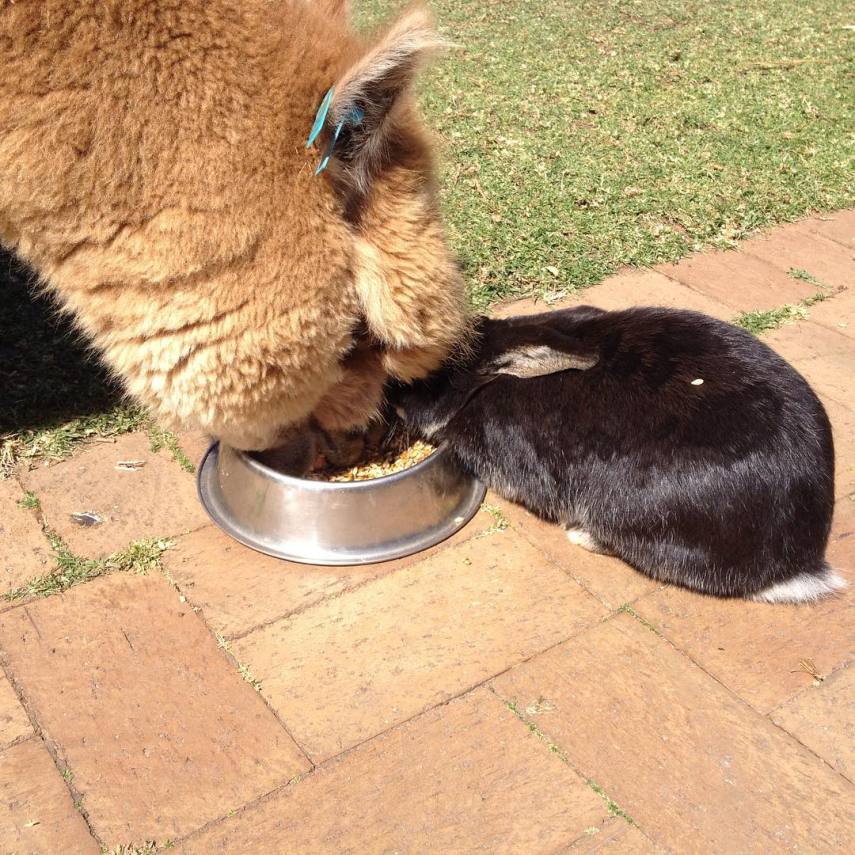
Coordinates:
575	137
581	136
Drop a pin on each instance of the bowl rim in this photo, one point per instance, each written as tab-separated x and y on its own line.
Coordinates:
210	491
440	453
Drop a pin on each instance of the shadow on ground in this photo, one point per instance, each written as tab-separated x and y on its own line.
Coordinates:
46	372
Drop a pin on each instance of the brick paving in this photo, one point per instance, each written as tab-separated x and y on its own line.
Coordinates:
502	692
24	553
131	491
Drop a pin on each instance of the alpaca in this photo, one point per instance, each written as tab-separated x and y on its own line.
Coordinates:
155	173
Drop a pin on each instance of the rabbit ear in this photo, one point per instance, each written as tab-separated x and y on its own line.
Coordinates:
536	360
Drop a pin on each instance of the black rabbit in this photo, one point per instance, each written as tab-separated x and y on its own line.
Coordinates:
677	442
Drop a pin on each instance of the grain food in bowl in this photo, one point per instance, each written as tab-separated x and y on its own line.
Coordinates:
395	456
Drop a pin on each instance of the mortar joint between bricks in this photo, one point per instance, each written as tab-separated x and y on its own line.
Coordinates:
612	806
53	749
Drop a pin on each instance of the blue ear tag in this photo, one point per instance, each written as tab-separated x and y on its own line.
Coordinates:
353	118
320	117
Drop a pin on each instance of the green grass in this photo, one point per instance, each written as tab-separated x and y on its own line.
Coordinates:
30	502
58	441
160	438
242	667
142	557
56	394
804	276
763	321
579	137
500	523
148	848
759	322
627	609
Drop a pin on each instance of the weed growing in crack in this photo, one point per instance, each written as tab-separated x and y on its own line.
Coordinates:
612	806
243	669
30	502
160	438
141	557
627	609
762	321
501	521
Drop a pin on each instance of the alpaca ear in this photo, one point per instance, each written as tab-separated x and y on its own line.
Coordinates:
365	96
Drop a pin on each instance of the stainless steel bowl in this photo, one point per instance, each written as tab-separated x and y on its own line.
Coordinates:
322	522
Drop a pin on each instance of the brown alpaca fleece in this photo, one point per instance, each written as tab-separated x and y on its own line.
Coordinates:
354	400
154	172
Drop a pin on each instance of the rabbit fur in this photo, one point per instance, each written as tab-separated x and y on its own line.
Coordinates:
677	442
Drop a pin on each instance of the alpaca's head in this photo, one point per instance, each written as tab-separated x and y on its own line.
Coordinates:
373	150
170	200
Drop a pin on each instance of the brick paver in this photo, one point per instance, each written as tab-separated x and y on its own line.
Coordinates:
837	313
383	721
24	551
837	226
135	492
239	590
795	248
822	717
841	546
741	281
354	666
843	430
624	289
463	777
806	342
14	724
651	288
158	729
693	765
194	444
615	836
753	648
37	813
825	357
608	579
830	375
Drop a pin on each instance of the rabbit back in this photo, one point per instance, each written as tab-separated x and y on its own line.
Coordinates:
690	450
